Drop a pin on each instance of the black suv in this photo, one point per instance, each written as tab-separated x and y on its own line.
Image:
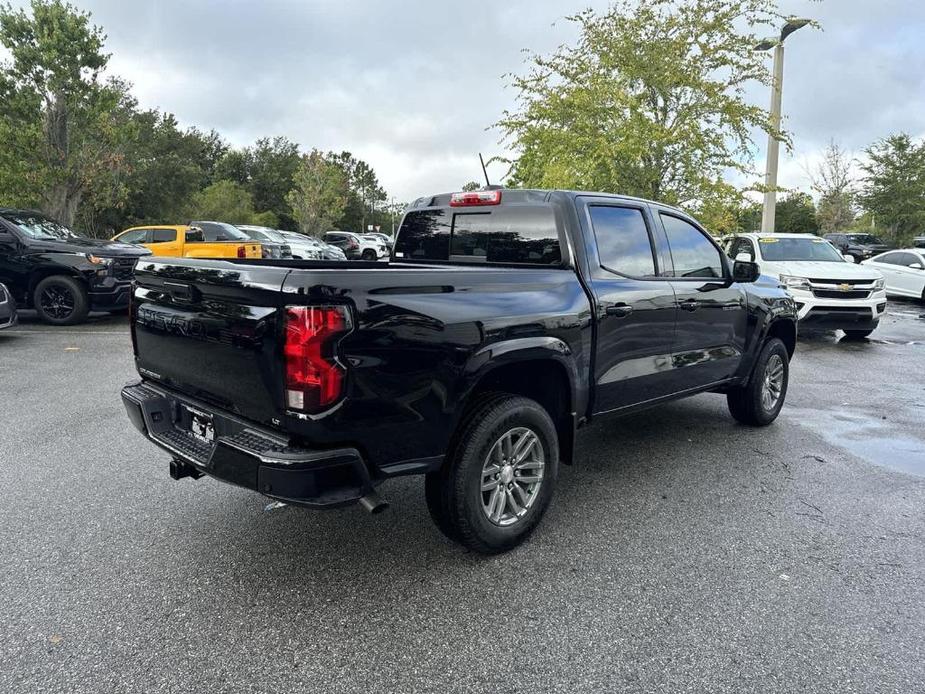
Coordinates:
858	246
60	274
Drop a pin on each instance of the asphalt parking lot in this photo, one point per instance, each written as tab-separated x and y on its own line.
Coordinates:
683	553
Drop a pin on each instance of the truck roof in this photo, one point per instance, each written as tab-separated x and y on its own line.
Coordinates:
534	195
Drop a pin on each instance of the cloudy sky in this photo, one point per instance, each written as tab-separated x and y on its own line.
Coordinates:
412	86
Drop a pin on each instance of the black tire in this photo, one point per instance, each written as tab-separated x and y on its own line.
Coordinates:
454	493
369	255
858	334
61	300
746	403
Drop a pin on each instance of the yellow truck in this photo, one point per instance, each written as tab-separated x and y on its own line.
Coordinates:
212	240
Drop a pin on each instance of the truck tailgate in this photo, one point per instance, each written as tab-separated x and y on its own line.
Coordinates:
210	329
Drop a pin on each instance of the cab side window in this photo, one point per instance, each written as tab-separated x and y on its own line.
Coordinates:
693	254
623	242
163	235
137	236
194	236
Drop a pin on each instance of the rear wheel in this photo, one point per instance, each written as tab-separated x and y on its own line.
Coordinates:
370	255
61	300
759	401
500	476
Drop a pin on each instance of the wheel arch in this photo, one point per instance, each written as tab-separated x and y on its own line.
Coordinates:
541	369
786	331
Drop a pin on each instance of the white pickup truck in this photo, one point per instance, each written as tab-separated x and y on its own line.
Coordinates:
830	291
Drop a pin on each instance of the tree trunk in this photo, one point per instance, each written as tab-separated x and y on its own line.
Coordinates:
61	202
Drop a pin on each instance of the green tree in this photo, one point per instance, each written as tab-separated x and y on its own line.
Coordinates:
894	188
58	117
649	101
471	185
223	201
796	214
834	183
164	168
364	193
319	194
266	170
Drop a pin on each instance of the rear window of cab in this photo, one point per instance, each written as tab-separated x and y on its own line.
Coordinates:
521	234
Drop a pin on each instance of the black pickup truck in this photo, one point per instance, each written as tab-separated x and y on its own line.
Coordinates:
505	321
62	275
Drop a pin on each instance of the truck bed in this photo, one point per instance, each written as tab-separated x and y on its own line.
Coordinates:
213	330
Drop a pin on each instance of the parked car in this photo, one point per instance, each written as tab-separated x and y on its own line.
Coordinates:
919	242
354	246
275	248
903	271
506	322
7	308
326	250
382	249
182	241
385	238
858	246
830	291
62	275
301	248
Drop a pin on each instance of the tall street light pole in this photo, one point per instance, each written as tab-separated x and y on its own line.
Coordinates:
777	86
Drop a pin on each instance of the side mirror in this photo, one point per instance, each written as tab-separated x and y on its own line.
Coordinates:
848	258
745	270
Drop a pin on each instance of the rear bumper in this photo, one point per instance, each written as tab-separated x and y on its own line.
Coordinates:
245	454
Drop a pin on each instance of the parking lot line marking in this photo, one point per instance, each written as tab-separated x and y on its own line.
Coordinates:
69	332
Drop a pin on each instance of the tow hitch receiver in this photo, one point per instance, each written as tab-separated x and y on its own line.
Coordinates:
179	470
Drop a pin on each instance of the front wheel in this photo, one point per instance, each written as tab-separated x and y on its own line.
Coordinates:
61	300
498	480
759	401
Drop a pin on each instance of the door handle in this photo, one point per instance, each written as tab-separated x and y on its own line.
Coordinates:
689	305
619	310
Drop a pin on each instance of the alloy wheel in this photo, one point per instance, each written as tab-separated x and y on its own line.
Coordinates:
512	475
57	302
773	384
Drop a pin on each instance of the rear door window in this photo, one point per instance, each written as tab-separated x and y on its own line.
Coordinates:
623	242
163	235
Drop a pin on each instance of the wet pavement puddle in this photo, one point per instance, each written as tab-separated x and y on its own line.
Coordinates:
867	436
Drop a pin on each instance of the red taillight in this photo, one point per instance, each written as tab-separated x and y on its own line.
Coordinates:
314	378
476	198
242	252
353	245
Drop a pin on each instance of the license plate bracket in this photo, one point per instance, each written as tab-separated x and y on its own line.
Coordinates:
201	427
